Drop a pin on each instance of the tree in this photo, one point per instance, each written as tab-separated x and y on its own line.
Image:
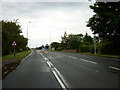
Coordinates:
87	40
74	41
106	23
11	32
55	45
64	41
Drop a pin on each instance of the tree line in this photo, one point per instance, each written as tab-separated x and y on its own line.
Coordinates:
105	23
73	41
11	31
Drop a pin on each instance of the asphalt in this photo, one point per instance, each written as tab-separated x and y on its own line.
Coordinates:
33	72
74	70
85	71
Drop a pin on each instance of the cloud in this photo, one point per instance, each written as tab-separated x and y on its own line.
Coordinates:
46	17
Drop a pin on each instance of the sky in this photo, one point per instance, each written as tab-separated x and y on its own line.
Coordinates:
49	20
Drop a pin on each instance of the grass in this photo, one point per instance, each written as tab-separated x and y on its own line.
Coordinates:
18	55
103	55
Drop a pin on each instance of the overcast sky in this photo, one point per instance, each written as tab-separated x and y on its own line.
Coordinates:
49	20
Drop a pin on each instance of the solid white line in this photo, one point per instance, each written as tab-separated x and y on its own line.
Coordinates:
72	57
55	73
114	68
26	56
45	59
61	76
60	82
88	61
48	64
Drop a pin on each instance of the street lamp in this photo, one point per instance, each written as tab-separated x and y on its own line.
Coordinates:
27	34
50	40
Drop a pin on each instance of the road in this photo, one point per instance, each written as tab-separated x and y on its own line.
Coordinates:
64	70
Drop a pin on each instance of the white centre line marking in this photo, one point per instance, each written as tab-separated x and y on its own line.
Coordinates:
61	83
114	68
88	61
55	73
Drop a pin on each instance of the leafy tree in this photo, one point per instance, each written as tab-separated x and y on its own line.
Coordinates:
87	40
74	41
55	45
64	41
11	32
105	22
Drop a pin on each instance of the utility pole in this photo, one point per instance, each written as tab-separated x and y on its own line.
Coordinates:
50	40
94	44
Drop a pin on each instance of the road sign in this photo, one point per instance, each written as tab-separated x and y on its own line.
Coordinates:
14	43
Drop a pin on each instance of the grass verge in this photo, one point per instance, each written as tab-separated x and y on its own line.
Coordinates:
102	55
18	55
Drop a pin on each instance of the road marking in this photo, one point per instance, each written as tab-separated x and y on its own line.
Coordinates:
12	67
45	59
5	72
48	64
26	56
72	57
61	83
61	76
55	73
88	61
114	68
115	59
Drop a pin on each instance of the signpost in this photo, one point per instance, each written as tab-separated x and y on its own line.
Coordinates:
14	44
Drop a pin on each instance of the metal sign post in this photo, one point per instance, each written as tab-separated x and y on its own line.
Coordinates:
14	44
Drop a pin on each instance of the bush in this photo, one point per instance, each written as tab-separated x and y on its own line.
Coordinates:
85	48
110	48
59	49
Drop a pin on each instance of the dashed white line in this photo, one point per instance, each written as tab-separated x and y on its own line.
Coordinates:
88	61
5	72
114	68
83	60
116	59
72	57
12	67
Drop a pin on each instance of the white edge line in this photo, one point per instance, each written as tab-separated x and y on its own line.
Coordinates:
26	56
24	59
114	68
